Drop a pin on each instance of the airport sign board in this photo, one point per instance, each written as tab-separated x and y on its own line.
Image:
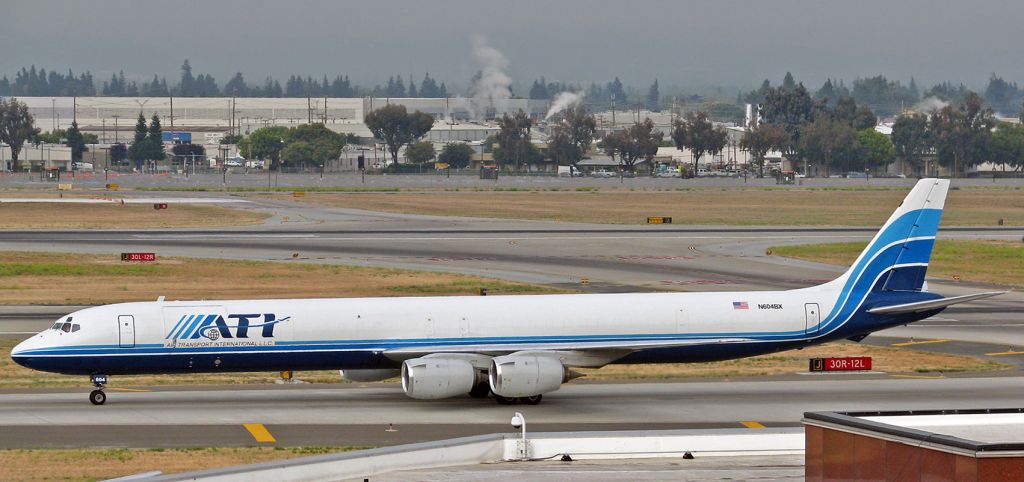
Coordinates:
841	364
138	256
659	220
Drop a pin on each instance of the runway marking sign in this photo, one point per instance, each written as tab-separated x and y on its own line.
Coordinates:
138	256
841	364
259	432
659	220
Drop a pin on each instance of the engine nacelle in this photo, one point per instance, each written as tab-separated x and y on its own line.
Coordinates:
526	375
431	378
370	374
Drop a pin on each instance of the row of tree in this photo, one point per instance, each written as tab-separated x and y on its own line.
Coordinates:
889	97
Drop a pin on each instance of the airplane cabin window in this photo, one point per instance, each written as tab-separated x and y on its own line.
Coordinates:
66	328
75	327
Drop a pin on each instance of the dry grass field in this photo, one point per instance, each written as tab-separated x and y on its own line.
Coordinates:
100	464
64	278
990	262
121	216
732	206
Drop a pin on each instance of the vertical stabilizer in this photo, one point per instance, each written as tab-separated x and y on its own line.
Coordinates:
897	257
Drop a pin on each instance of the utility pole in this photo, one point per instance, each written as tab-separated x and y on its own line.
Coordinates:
325	110
309	110
53	113
172	113
74	108
115	116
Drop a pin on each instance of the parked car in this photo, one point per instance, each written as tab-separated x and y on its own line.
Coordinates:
603	173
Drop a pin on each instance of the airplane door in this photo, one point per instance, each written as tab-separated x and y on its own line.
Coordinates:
682	321
813	316
126	331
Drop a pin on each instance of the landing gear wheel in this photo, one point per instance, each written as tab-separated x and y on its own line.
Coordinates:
97	397
506	400
480	390
534	400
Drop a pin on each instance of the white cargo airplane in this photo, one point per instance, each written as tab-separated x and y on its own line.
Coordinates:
516	347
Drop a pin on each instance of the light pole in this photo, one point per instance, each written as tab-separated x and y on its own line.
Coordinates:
53	113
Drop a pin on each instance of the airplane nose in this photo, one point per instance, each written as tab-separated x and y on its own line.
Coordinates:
18	351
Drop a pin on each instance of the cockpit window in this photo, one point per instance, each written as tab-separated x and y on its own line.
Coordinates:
75	327
66	328
56	326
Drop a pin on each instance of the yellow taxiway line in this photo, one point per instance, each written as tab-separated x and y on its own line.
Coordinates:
1001	353
259	432
922	342
752	424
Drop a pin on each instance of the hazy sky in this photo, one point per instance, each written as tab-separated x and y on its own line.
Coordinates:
688	43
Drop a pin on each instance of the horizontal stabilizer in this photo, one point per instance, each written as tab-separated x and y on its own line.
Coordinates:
505	348
931	304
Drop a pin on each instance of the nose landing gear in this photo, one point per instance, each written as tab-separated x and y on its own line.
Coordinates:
98	396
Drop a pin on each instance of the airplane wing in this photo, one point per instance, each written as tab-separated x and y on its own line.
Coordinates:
577	346
930	305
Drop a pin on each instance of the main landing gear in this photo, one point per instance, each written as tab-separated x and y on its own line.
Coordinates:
98	396
482	390
532	400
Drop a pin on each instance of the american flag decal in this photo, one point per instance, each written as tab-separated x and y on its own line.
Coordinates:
740	305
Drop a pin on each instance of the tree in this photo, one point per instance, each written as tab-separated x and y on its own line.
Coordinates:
76	142
962	133
396	127
189	151
876	149
313	143
653	97
762	138
790	109
513	139
186	86
572	135
456	154
139	149
911	139
612	143
16	126
154	140
697	133
420	152
1008	145
639	141
118	153
265	143
828	142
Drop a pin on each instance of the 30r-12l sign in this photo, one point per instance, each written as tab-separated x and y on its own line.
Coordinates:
841	364
138	256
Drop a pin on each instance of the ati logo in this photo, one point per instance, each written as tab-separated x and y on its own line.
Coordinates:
215	327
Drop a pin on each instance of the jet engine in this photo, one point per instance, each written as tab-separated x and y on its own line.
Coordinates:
434	377
369	374
527	375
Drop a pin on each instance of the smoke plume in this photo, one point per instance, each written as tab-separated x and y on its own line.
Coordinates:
563	101
492	87
930	104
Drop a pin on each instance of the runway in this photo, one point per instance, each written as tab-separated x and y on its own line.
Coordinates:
348	414
613	258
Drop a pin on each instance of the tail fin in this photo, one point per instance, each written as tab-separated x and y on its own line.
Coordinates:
897	257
